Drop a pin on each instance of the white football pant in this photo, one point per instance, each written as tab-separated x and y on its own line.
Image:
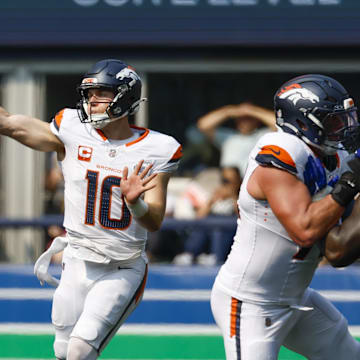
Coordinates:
256	332
93	300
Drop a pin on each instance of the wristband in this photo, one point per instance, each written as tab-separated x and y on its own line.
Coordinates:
138	209
345	189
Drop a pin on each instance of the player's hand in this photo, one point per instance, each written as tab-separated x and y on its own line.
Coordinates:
348	185
43	262
134	185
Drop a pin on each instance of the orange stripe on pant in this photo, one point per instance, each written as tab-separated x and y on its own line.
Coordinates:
235	324
233	315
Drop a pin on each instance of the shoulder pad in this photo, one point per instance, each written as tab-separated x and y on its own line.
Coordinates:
58	118
276	156
284	151
177	155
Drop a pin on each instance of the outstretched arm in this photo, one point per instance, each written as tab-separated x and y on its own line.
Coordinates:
342	244
29	131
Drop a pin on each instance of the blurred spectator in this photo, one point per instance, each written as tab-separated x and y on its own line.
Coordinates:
199	152
163	245
210	246
224	199
251	122
54	186
54	190
185	195
196	193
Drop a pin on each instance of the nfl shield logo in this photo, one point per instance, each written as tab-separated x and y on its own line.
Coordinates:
112	152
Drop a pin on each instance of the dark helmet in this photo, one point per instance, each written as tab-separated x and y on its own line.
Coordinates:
318	109
118	77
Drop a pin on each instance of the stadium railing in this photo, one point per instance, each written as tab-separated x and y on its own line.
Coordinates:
168	223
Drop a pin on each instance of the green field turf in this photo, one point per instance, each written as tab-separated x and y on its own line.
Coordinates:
130	347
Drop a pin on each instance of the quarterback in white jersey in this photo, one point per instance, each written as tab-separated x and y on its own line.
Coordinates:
116	178
92	169
295	189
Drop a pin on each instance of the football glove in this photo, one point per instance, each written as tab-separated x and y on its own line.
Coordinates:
349	183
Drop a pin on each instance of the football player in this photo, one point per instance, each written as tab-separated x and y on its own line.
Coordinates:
116	178
296	188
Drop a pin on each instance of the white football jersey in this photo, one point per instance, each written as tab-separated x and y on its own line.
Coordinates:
265	265
99	225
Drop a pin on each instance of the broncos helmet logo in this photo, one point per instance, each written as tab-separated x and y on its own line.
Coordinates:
295	93
128	73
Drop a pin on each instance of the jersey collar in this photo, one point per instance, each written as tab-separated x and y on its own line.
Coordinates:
143	131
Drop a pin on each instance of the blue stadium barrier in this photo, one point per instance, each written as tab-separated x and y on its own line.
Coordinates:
168	223
173	295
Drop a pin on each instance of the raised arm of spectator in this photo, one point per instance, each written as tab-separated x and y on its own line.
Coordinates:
266	116
210	121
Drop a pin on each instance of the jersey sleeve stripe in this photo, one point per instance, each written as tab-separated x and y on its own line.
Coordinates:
55	125
58	118
177	155
276	156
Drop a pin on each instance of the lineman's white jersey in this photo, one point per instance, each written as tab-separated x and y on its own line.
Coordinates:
265	265
98	223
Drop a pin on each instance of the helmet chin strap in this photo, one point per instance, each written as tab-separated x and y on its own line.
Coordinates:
99	121
327	148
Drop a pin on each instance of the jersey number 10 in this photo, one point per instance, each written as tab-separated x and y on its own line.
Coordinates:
105	203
